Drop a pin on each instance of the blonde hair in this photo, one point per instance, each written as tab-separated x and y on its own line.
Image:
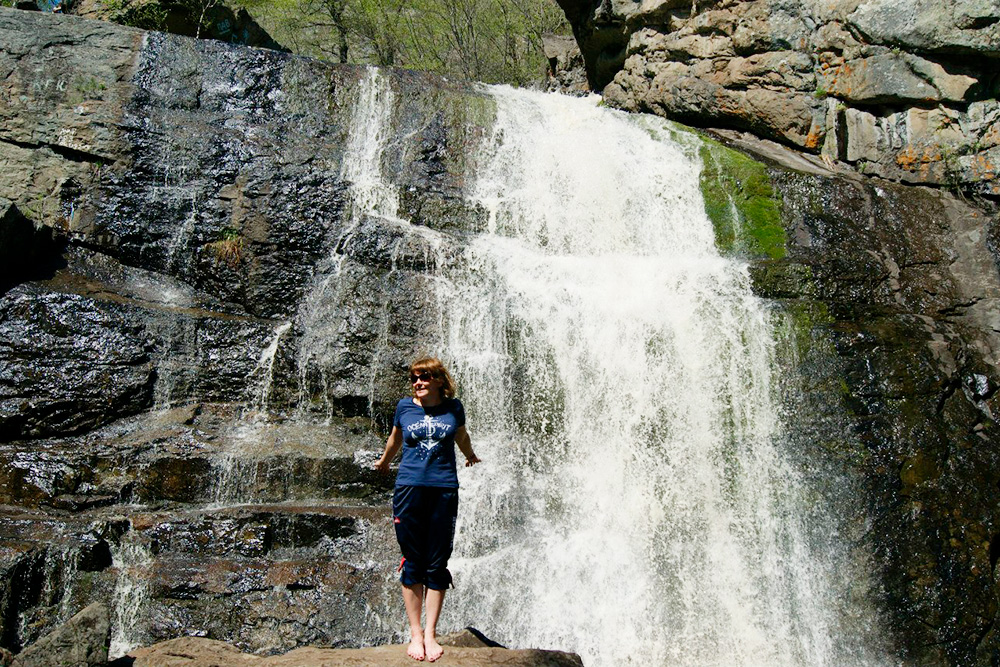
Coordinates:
437	370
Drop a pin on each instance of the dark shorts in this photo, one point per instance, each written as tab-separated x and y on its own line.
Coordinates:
424	517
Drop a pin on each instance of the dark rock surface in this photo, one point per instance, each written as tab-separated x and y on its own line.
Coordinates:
26	252
903	90
82	642
173	444
71	363
894	296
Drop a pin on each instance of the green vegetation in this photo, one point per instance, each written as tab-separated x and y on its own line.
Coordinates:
228	249
138	14
495	41
741	203
802	317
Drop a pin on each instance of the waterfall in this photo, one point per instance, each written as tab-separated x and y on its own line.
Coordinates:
635	503
264	373
177	256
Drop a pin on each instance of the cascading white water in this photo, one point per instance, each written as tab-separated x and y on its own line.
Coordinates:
370	194
634	504
132	559
261	390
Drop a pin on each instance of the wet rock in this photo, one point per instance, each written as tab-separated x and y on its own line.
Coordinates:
69	363
149	459
82	641
882	275
266	578
247	205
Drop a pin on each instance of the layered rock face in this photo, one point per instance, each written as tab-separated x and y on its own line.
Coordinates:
176	215
903	90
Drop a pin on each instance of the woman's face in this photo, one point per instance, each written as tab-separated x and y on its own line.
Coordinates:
425	387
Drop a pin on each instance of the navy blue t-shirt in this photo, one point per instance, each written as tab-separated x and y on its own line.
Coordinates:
428	442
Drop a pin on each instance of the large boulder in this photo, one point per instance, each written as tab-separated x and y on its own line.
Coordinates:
81	642
197	652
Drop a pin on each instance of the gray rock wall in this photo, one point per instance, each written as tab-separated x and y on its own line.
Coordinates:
179	201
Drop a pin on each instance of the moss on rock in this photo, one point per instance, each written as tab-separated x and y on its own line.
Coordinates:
741	203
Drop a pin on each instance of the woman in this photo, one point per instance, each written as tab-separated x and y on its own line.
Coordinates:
425	502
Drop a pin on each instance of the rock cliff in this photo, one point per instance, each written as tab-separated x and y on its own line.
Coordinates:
895	294
199	353
906	90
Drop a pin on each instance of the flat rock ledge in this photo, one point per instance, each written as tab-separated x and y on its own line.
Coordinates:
460	649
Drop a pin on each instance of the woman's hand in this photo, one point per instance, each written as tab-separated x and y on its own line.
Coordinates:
392	445
465	444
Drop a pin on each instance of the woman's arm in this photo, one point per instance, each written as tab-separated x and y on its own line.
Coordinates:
464	443
392	445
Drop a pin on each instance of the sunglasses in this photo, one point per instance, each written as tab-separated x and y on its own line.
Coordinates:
420	377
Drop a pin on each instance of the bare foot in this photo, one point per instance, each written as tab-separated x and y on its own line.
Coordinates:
416	649
434	650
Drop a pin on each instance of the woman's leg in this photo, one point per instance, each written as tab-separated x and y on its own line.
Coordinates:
435	599
413	597
406	502
440	539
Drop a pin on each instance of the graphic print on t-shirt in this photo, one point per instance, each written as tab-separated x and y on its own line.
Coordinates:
429	432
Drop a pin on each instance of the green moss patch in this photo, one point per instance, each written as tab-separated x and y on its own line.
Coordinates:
741	203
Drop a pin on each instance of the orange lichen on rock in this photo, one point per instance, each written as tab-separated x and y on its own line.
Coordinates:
991	137
912	160
982	168
815	136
